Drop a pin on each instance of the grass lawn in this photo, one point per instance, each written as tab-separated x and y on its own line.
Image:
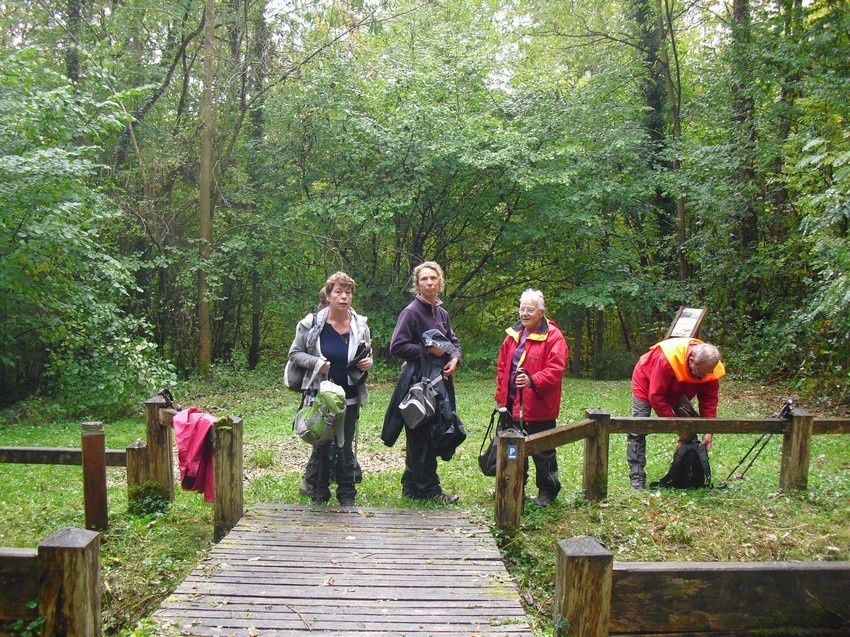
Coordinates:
144	558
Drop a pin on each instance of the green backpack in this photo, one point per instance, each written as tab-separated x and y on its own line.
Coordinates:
323	416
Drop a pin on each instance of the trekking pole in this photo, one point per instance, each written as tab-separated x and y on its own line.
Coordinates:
785	412
522	403
747	455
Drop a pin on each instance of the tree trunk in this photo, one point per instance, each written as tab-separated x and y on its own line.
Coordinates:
73	19
777	194
598	339
745	138
578	338
674	100
653	97
205	194
258	127
256	315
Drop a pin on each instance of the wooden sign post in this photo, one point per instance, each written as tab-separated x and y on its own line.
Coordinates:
686	323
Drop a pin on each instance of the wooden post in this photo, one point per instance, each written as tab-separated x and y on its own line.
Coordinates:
227	450
69	583
94	476
583	588
160	459
794	467
510	462
137	464
595	479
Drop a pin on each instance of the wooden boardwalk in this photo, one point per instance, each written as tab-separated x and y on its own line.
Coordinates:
294	570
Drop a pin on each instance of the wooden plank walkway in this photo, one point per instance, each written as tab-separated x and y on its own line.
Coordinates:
292	570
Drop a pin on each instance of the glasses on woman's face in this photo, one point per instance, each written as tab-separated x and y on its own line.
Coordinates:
527	311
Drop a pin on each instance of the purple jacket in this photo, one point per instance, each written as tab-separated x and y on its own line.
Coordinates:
415	319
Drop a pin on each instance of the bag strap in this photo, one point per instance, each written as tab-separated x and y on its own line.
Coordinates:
489	429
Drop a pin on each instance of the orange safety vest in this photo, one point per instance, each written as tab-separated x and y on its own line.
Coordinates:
675	350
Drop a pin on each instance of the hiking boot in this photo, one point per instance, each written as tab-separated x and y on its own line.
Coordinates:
346	502
305	488
318	501
445	498
543	499
638	482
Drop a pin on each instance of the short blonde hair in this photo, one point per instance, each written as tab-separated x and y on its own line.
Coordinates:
431	265
342	280
535	296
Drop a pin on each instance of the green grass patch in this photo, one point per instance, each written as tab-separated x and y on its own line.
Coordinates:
146	556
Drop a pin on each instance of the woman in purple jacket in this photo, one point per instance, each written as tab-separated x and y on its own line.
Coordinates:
420	480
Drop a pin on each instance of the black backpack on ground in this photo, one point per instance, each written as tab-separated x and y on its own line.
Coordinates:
689	469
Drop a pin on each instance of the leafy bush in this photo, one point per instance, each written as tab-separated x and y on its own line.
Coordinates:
63	285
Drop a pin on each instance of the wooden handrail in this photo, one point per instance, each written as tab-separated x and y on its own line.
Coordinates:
594	594
18	584
57	455
831	426
552	438
698	425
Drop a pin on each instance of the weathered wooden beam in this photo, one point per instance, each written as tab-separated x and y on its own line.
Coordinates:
510	460
553	438
227	454
729	597
794	466
69	583
137	464
831	426
166	416
583	588
698	425
94	476
57	455
160	458
595	476
18	583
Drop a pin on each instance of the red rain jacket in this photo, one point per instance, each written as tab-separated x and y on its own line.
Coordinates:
545	359
655	381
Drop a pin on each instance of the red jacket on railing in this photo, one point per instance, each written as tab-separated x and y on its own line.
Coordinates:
545	359
194	451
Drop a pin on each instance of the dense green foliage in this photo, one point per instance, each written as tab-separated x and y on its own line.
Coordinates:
625	157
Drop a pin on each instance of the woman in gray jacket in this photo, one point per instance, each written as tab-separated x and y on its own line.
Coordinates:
335	343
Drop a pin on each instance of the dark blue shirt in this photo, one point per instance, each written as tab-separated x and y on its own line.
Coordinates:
335	348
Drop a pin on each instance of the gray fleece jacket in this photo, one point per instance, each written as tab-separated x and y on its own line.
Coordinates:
306	350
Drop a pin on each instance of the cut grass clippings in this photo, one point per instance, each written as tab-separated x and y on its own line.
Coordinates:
145	557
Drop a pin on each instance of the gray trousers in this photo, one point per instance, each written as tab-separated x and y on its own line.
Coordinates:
636	443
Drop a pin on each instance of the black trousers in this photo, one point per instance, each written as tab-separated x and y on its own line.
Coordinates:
545	463
343	458
420	479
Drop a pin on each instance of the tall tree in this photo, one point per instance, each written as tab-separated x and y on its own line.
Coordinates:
205	193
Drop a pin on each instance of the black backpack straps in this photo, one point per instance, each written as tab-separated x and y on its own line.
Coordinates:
702	452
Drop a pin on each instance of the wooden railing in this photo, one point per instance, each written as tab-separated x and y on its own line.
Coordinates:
93	457
513	448
154	461
595	596
150	461
62	576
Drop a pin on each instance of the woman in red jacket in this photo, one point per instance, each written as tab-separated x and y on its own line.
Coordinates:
531	365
